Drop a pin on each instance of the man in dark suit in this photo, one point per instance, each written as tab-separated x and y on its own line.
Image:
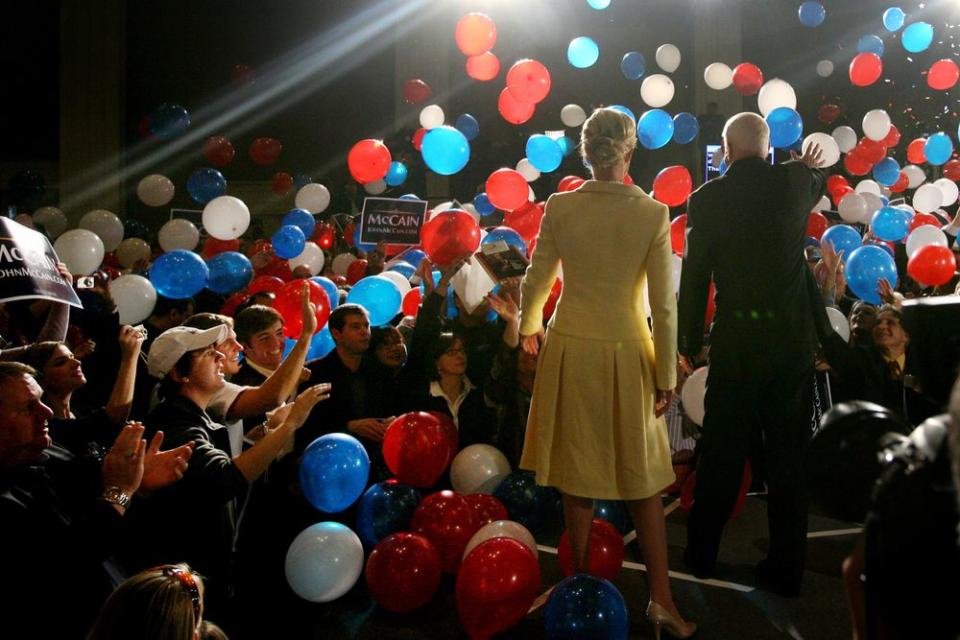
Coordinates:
745	230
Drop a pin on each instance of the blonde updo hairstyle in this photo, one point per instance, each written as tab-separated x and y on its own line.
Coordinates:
607	137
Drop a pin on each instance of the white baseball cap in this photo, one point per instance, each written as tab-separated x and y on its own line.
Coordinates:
173	343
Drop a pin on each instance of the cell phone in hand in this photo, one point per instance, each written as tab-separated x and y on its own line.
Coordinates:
85	282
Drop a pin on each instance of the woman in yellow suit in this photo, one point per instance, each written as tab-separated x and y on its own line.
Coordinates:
595	428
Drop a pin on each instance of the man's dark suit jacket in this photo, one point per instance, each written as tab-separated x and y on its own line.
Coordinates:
745	230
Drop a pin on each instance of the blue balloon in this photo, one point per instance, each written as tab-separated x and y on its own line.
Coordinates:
655	128
334	472
938	148
786	127
333	293
810	241
723	167
585	607
467	125
917	37
890	223
893	18
599	5
685	128
583	52
866	266
205	184
404	268
544	153
385	508
416	256
843	238
614	512
288	345
288	242
445	150
870	44
887	172
168	120
567	145
379	296
623	109
812	14
507	235
396	174
527	503
300	218
365	247
300	180
409	196
179	274
321	344
483	205
230	271
633	65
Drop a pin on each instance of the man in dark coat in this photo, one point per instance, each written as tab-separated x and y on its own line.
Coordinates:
745	230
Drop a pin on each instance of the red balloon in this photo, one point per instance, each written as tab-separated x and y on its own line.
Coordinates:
281	183
525	221
915	151
229	307
870	150
356	271
339	280
932	265
277	267
673	185
686	494
323	235
212	246
242	74
476	33
348	232
264	151
403	572
551	304
415	90
369	160
569	183
901	184
627	179
290	307
816	225
856	165
836	181
450	235
417	139
512	110
450	429
920	219
829	112
605	551
951	170
943	74
411	302
496	585
218	151
865	69
678	234
448	521
487	508
507	189
893	137
528	81
270	284
711	304
840	194
747	79
483	67
260	246
417	448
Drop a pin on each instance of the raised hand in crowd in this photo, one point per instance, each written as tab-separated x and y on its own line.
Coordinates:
531	343
447	271
305	402
812	156
84	349
123	466
131	341
308	312
505	304
163	468
377	258
888	295
65	273
370	428
101	287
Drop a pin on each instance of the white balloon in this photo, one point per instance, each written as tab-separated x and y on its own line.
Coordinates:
431	117
924	236
342	262
657	90
131	250
135	298
311	257
81	250
867	186
949	189
718	76
52	219
676	268
829	151
927	198
324	562
531	196
824	68
527	170
876	124
106	225
472	210
572	115
178	233
668	57
915	176
226	218
376	187
502	529
839	322
906	208
693	394
823	204
853	208
403	284
874	203
155	190
478	468
313	197
776	93
846	138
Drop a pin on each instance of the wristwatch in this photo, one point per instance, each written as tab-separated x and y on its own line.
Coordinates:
116	495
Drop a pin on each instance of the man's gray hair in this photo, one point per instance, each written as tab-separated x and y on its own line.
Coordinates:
748	135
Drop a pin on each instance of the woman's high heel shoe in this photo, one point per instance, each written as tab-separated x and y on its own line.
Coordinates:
660	617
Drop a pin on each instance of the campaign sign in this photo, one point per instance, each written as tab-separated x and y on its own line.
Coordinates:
28	266
392	220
